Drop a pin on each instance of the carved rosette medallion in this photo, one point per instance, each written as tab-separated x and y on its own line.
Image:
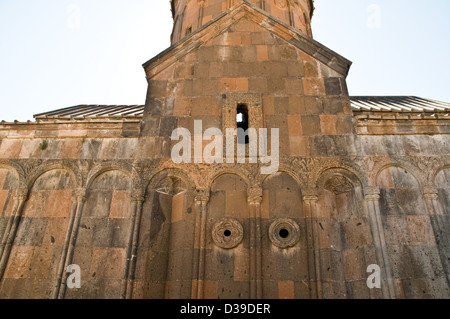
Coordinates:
227	233
284	233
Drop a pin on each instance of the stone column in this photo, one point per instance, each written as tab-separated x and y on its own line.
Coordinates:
440	225
372	197
19	201
310	199
137	200
254	199
62	261
11	228
201	200
79	198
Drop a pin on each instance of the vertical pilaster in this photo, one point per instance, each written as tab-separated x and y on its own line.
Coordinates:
372	198
310	199
291	13
440	225
201	200
11	228
201	6
62	261
254	200
79	197
137	200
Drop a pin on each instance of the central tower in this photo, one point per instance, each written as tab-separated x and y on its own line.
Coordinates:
190	15
222	228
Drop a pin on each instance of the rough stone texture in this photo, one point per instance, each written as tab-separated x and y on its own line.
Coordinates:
103	193
191	15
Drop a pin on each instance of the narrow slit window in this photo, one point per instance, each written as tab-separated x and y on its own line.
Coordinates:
242	122
188	30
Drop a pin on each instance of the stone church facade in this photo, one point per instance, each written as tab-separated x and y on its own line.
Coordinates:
362	180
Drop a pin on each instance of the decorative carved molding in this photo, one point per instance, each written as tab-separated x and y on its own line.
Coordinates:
427	166
373	165
99	167
338	184
311	168
36	168
306	171
171	185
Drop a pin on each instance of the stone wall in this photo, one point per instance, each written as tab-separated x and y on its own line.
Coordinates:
192	15
349	212
351	191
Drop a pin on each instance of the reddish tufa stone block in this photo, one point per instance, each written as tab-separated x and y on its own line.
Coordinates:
71	149
10	148
286	289
233	84
59	203
314	87
120	204
262	53
328	124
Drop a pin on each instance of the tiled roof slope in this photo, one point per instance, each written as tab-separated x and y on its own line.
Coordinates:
359	103
89	111
397	104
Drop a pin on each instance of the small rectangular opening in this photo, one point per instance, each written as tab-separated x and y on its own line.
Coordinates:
242	121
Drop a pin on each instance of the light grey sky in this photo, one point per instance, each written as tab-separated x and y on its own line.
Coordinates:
60	53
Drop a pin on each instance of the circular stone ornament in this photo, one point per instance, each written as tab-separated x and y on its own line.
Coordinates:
227	233
284	233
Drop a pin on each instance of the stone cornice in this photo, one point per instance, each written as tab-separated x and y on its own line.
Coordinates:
62	128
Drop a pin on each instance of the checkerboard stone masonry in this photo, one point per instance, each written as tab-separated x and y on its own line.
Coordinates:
357	187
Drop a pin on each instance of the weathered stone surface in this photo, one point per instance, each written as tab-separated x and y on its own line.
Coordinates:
351	190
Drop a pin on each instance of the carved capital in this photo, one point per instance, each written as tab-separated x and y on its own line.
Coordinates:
254	195
21	194
372	193
430	190
201	195
138	195
79	195
310	194
430	196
